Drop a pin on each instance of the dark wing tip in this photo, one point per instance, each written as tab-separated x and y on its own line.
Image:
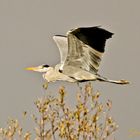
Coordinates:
93	31
95	36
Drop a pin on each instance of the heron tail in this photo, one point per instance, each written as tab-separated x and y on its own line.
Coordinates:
121	82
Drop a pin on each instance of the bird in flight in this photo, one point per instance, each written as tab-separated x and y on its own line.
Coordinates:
81	51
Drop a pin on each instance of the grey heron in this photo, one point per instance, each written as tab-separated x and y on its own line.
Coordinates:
81	51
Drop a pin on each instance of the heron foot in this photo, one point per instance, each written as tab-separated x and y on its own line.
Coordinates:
124	82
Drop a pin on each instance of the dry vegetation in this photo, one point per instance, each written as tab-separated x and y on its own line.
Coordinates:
89	120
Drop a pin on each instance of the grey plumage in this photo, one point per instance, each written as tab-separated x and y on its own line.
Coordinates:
85	48
81	51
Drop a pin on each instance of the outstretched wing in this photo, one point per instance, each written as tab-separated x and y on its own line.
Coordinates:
62	44
86	47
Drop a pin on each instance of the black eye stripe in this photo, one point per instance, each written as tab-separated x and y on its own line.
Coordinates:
46	66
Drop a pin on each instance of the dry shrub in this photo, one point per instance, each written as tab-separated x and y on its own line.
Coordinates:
89	120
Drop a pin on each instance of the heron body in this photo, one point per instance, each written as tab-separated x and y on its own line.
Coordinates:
81	51
53	75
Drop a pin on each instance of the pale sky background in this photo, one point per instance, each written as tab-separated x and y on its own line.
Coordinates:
26	30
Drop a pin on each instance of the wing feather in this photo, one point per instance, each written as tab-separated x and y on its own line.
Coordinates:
86	47
62	44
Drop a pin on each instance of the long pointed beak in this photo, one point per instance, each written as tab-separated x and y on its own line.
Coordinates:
32	68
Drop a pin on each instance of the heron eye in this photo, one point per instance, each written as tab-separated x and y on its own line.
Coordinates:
46	66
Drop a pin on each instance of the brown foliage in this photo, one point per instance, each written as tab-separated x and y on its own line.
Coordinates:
89	120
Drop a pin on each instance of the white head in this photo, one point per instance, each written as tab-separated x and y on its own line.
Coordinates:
41	68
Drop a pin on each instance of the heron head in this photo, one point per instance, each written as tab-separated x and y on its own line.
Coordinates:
42	68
